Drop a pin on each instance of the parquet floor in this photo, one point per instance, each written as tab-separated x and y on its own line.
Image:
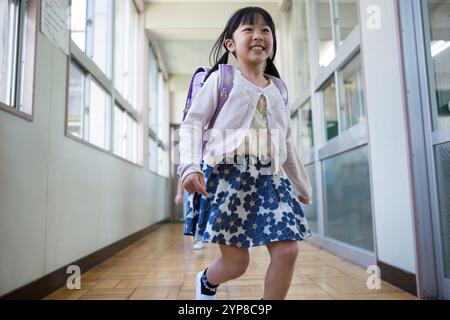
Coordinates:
163	265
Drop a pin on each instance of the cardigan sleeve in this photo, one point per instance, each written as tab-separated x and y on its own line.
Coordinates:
293	166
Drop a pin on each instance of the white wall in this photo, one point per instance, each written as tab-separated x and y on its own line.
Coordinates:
388	138
178	87
61	200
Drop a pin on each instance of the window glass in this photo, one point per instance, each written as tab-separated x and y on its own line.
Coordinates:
9	24
327	50
98	116
306	127
352	93
439	25
330	110
78	23
302	48
346	18
119	131
102	36
76	101
347	199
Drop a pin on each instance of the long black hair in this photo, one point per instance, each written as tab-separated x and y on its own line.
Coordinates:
245	15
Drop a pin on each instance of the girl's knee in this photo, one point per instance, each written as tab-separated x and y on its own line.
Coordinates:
237	266
235	260
286	252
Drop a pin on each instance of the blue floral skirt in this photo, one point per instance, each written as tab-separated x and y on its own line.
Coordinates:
244	207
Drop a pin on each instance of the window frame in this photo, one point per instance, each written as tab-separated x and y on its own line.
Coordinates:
23	95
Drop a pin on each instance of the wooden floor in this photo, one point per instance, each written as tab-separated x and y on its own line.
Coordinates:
163	265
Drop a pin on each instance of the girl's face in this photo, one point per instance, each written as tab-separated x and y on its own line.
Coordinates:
252	43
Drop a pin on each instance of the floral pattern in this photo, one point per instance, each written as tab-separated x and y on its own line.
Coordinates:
245	208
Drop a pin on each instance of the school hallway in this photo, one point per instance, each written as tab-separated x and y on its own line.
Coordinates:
163	265
92	95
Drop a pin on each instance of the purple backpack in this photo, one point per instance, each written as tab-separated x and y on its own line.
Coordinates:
226	84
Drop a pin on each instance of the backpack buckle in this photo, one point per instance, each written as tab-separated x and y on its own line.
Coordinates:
224	94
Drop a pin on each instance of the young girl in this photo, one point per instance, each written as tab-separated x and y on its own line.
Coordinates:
239	199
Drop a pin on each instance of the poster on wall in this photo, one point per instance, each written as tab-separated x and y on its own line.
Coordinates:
55	20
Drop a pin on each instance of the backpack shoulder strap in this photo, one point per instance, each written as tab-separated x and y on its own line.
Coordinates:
226	84
282	87
197	79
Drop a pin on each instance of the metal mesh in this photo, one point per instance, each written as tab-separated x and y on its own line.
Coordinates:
443	184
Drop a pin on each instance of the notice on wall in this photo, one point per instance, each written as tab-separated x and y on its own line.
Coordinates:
55	20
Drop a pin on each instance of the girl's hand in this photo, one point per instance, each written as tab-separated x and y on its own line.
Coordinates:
195	182
179	199
304	199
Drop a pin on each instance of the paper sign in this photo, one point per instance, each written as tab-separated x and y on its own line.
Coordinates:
55	19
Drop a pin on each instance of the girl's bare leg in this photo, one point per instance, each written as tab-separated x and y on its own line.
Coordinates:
231	265
283	255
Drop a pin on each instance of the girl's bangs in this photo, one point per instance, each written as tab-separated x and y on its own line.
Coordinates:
251	15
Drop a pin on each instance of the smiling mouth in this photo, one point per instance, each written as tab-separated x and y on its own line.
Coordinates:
257	47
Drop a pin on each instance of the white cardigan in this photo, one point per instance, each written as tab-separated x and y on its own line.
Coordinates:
237	114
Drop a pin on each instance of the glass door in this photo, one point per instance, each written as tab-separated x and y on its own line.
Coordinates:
436	22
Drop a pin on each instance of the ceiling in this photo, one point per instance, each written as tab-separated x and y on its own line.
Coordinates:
185	31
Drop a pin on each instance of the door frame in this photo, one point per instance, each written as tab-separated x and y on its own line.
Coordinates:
414	20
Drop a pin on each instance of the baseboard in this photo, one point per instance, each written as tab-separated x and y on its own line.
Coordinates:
42	287
399	278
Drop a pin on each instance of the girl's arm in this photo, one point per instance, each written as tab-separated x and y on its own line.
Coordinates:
180	188
191	129
293	166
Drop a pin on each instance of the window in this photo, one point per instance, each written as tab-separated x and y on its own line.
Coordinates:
336	20
346	18
78	23
76	101
98	112
89	108
158	115
306	127
311	210
126	135
91	31
152	155
439	26
153	90
126	27
351	110
352	93
330	110
102	35
98	116
302	42
302	128
348	211
17	45
8	49
327	50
